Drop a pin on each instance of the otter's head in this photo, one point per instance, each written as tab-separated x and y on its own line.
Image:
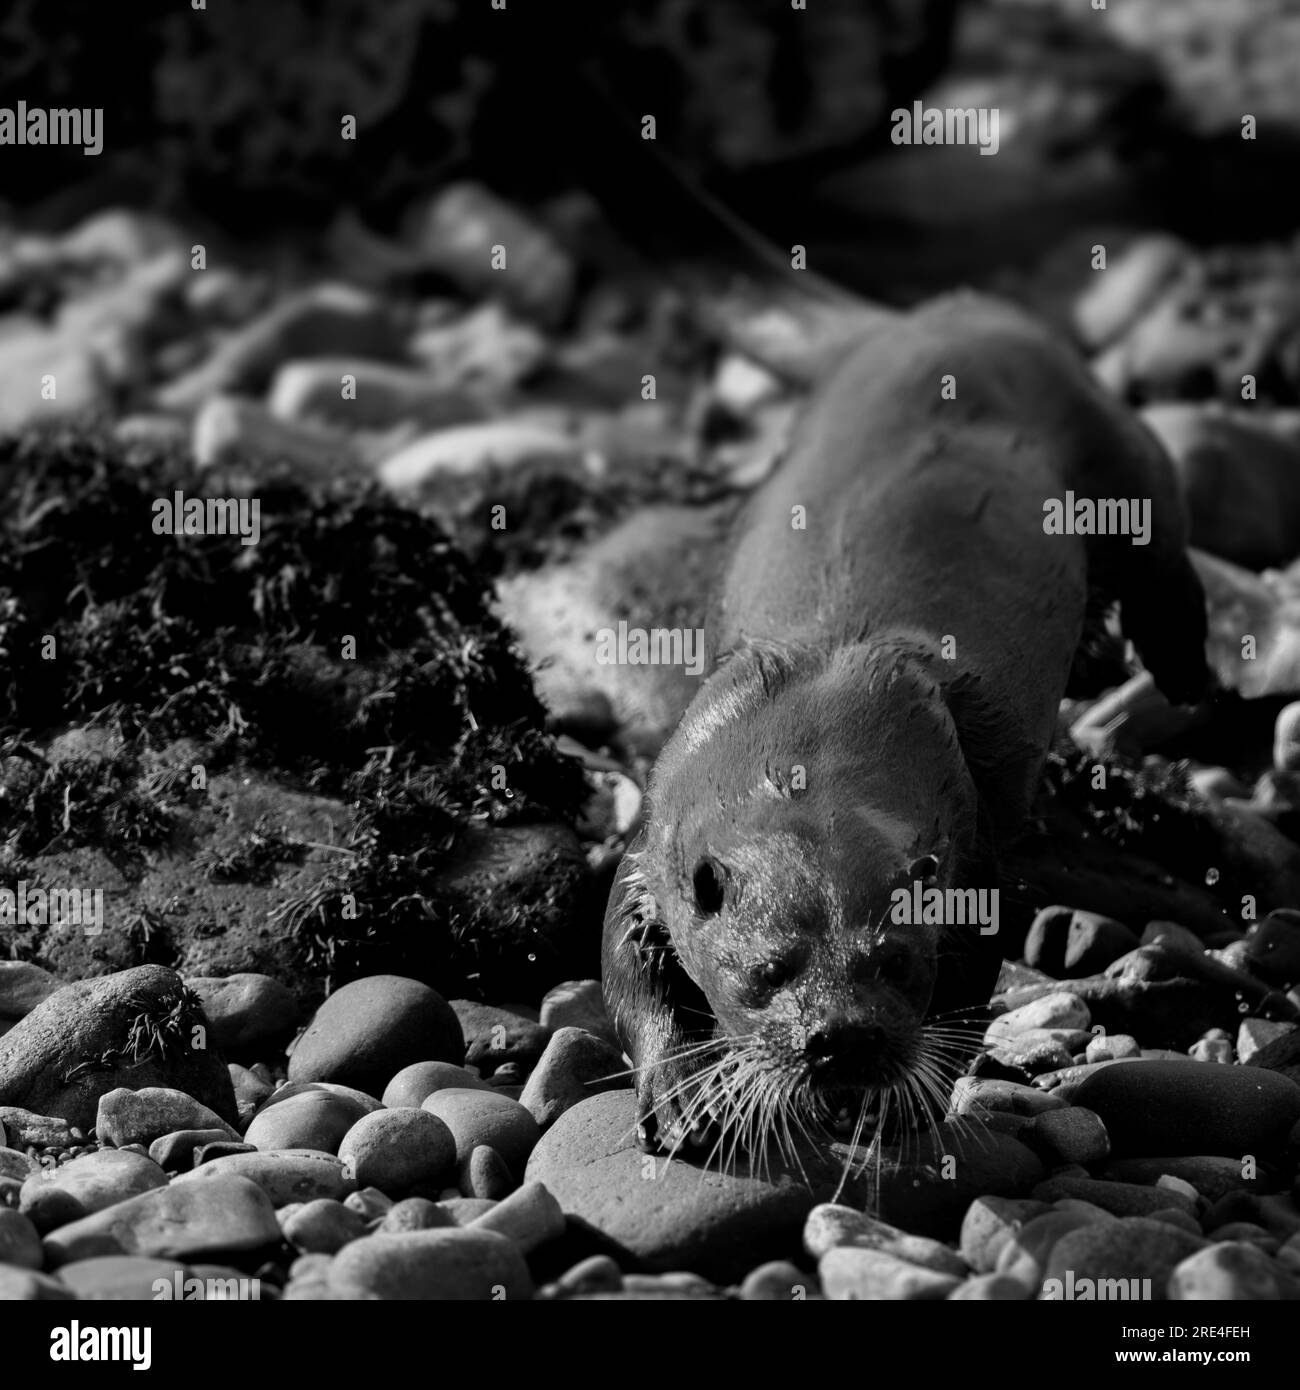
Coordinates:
803	789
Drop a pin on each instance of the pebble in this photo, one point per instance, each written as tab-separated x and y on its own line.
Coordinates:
991	1223
321	1227
185	1220
988	1287
1272	949
974	1094
231	431
92	1018
530	1216
776	1281
20	1241
1058	1010
250	1091
399	1151
576	1064
307	1120
442	460
416	1214
1111	1047
830	1227
851	1273
595	1274
495	1037
322	321
372	1028
174	1152
1191	1107
285	1175
1231	1271
1247	1231
381	395
1257	1033
461	1264
578	1004
15	1164
486	1174
141	1116
1025	1255
23	986
1216	1050
369	1203
413	1085
1286	739
1210	1175
1120	1199
92	1182
1131	1249
463	1210
1068	943
246	1011
120	1278
1113	300
485	1117
1073	1135
26	1286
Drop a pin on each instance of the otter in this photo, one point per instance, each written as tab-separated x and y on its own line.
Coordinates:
895	621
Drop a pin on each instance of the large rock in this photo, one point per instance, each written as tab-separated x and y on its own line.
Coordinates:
441	1264
366	1032
1189	1107
139	1117
135	1028
23	986
184	1221
246	1010
285	1175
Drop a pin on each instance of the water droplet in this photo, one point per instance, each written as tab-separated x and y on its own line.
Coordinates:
1211	877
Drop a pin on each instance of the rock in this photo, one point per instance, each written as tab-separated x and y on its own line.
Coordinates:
1033	1053
1112	1047
26	1286
1113	300
982	1287
223	1148
1190	1107
14	1164
1068	944
319	322
308	1120
575	1065
438	463
830	1226
1025	1255
22	987
1229	1270
93	1019
250	1091
119	237
991	1223
1256	1033
174	1152
463	1210
1057	1010
416	1214
777	1281
361	1101
1241	480
20	1242
441	1264
1277	1214
286	1175
595	1274
1286	739
321	1226
370	1029
1212	1176
1132	1250
246	1011
1272	948
92	1182
1118	1198
456	232
380	395
851	1273
36	361
485	351
399	1151
24	1128
486	1174
231	431
120	1278
578	1004
972	1094
530	1217
369	1203
1215	1050
483	1117
413	1085
495	1038
139	1117
1073	1135
185	1220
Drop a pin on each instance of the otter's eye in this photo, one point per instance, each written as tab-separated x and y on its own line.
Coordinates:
924	869
710	884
